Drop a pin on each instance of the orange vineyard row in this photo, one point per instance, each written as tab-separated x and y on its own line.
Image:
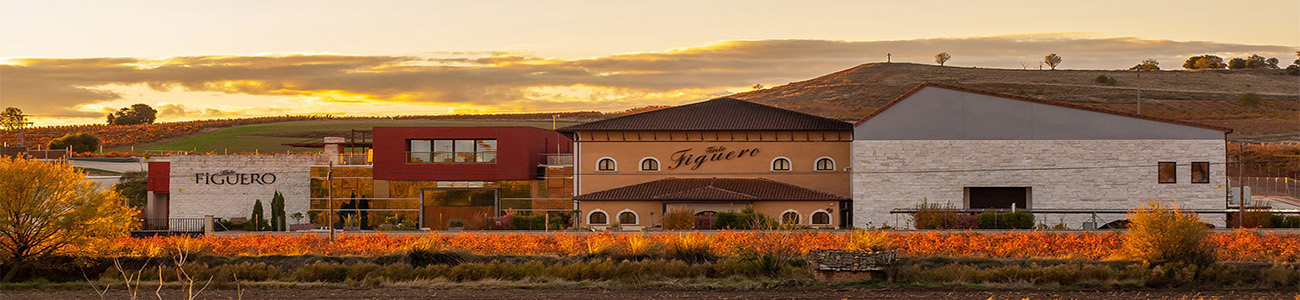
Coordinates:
1242	245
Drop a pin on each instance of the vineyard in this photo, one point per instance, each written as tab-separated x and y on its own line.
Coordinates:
1240	246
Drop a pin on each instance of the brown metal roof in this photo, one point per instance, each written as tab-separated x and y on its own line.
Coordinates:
1034	100
717	114
711	189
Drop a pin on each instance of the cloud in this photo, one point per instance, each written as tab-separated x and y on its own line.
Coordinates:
515	81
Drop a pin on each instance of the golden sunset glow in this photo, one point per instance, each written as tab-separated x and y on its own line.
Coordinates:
216	60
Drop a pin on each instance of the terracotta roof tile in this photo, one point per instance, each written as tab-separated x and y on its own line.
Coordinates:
737	189
717	114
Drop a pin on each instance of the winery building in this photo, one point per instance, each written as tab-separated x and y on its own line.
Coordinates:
974	149
721	155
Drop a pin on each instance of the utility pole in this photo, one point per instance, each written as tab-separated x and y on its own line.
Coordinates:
329	187
1139	99
1241	188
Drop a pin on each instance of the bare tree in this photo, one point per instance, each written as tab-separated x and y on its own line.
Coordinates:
942	58
1052	60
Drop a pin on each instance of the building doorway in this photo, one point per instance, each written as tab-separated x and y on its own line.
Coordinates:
997	197
474	207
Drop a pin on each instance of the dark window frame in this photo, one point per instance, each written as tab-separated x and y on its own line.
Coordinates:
1205	177
636	218
797	218
830	164
654	163
1173	175
600	165
813	219
603	215
787	167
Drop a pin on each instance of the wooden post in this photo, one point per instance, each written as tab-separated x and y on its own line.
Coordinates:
1241	188
207	225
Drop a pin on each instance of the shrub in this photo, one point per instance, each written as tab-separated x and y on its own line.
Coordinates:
1161	233
537	222
996	220
691	248
1249	99
941	216
1281	221
679	219
868	241
745	219
455	223
1103	79
78	142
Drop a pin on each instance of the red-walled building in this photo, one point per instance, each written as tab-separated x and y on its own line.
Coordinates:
437	153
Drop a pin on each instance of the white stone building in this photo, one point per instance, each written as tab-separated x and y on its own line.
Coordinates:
975	149
227	186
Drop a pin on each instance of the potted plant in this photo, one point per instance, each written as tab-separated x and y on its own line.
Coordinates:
297	217
455	225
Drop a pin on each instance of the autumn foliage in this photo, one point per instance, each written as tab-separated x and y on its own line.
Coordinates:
1243	245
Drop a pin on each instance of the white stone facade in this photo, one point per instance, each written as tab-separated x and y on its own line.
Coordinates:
194	193
1088	174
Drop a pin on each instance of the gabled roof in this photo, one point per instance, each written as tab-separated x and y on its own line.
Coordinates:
711	189
1034	100
718	114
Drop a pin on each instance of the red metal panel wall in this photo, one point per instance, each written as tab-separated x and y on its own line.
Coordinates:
159	176
519	151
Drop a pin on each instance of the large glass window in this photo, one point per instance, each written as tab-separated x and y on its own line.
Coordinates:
1168	172
1201	172
452	151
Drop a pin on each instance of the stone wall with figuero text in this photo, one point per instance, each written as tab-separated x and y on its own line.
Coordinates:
226	186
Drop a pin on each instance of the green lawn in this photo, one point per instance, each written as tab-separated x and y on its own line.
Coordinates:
270	137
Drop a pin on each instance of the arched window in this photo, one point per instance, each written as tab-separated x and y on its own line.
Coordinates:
649	164
598	218
821	217
781	164
627	217
825	164
606	164
790	217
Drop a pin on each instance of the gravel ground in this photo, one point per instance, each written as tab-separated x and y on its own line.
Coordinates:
633	294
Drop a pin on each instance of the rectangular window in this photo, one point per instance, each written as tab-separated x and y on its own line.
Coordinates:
452	151
1201	172
997	197
1168	172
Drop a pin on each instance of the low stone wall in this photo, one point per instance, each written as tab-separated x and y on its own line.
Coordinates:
852	266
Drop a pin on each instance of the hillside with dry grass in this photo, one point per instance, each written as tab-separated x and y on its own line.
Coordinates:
1208	97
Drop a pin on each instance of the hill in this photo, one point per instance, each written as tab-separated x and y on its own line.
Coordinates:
1208	97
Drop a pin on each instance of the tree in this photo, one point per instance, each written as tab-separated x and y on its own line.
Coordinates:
12	118
78	142
942	58
134	187
758	86
1149	64
45	207
138	113
1204	62
1052	60
1249	99
1271	63
277	213
1253	61
258	219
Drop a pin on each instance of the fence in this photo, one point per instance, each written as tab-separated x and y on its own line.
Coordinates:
1269	186
187	225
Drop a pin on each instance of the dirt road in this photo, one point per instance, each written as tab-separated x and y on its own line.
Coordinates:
634	294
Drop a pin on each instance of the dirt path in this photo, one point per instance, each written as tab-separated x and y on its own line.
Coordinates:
592	294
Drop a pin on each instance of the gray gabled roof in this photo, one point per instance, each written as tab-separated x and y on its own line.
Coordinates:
722	114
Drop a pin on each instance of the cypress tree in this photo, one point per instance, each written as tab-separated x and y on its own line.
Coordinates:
277	212
363	207
258	219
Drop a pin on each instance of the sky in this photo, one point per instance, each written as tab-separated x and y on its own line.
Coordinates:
71	62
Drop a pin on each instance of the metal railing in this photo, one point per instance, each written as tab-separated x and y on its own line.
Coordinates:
174	224
560	159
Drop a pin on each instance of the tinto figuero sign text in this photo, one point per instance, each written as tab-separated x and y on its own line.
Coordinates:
712	153
230	177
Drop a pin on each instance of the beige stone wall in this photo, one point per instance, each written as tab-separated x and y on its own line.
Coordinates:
1088	174
196	199
628	155
651	212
